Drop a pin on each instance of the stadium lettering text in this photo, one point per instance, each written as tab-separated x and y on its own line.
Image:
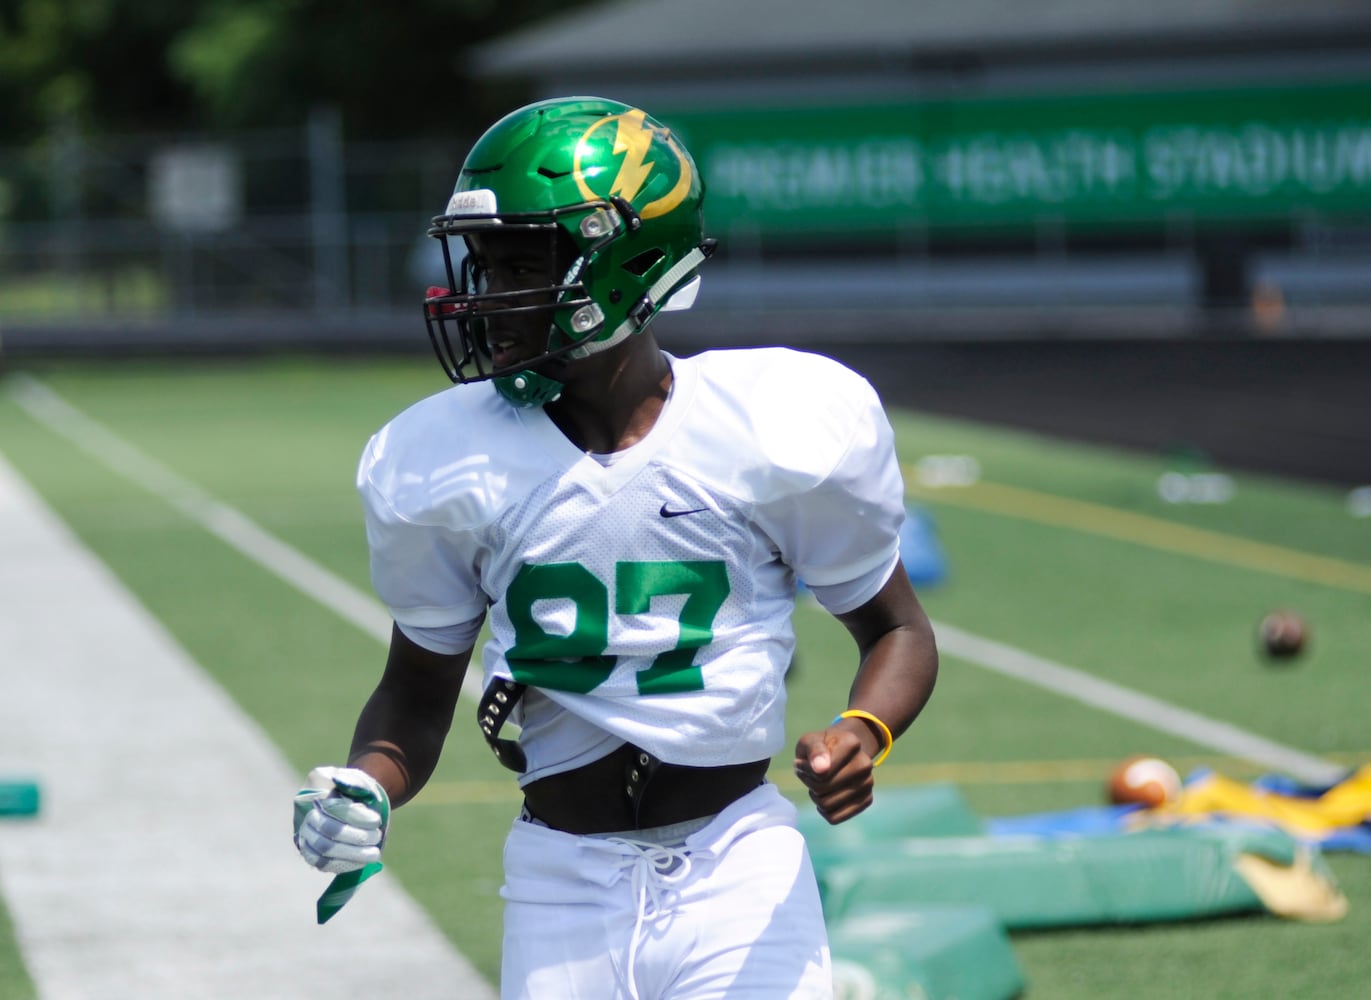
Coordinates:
993	169
1256	160
1173	162
1133	158
872	173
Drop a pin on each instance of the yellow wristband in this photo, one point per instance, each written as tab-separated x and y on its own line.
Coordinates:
857	713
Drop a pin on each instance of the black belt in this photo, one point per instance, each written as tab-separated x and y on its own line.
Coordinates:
628	789
498	702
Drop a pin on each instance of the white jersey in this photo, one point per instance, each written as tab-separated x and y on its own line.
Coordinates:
645	598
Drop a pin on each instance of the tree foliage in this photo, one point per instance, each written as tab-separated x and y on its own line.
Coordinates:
90	62
120	65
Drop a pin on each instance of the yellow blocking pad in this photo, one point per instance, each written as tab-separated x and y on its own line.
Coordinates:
1346	804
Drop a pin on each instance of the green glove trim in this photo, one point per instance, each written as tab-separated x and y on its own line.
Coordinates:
363	794
341	889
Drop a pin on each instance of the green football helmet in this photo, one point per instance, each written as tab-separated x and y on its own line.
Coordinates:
620	201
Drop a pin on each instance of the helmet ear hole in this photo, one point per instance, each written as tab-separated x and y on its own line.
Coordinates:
643	262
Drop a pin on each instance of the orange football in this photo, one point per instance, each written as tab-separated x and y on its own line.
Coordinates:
1146	781
1283	634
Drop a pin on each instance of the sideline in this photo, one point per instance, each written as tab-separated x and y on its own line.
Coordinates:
160	864
229	525
54	412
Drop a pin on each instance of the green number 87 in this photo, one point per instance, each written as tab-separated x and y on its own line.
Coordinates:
577	661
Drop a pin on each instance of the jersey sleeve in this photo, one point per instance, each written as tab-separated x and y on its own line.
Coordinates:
423	570
840	534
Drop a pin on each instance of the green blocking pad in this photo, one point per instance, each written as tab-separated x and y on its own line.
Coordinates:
930	952
903	951
1038	882
936	810
19	797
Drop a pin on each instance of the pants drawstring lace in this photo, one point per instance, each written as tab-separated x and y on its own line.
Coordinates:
654	869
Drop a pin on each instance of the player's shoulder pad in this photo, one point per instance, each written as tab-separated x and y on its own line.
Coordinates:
784	418
448	460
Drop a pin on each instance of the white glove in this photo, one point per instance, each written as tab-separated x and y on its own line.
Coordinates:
341	817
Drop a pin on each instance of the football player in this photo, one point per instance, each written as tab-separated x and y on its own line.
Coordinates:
633	526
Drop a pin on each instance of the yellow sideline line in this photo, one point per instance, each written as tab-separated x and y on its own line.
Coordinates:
1002	772
1141	529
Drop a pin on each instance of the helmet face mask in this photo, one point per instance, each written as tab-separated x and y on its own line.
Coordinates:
619	202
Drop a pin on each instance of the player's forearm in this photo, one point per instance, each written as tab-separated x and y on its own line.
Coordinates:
899	655
400	732
897	675
398	743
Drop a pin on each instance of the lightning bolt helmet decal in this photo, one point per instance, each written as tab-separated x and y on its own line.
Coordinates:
643	146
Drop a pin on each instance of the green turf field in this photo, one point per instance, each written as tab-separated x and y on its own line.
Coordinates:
1060	550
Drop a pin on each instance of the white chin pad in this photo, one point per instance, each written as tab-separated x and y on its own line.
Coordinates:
684	297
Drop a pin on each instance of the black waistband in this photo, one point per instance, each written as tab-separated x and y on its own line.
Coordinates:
630	789
587	800
498	702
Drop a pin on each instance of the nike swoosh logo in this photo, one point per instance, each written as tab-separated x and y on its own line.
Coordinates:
678	513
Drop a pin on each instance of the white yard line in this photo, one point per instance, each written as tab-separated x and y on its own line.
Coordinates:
160	865
219	519
1135	706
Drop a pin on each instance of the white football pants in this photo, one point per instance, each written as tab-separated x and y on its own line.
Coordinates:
731	912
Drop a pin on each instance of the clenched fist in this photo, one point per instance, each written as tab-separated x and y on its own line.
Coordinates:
341	817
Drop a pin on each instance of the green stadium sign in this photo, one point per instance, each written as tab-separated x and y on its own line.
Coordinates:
1258	154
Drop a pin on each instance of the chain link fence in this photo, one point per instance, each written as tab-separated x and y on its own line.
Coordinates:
186	239
293	237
